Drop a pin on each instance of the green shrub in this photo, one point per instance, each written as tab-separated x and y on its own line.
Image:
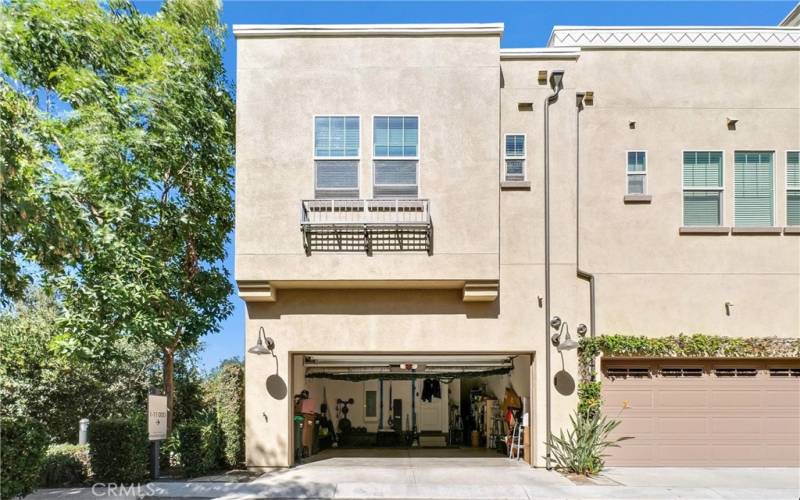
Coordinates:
65	465
580	451
228	389
23	446
119	450
199	445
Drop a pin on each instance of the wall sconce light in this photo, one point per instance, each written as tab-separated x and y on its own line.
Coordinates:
259	347
732	123
728	307
567	344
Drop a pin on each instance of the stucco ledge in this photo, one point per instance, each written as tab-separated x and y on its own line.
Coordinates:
257	292
792	229
480	291
712	230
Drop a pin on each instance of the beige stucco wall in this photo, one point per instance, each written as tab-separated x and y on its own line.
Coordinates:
650	279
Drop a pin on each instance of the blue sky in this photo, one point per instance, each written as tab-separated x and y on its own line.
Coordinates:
527	24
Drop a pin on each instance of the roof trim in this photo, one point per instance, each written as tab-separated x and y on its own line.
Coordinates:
540	53
792	18
305	30
726	37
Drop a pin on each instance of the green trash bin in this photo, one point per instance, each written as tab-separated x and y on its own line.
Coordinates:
298	439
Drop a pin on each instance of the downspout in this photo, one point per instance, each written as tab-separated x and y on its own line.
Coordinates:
556	77
584	275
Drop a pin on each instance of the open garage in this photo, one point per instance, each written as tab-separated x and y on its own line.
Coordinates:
445	405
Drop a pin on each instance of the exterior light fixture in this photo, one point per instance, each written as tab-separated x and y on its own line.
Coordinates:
556	76
582	330
259	347
567	344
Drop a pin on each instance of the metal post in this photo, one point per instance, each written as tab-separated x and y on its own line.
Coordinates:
83	431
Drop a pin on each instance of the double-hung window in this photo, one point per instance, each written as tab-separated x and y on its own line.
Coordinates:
637	172
754	188
515	157
336	154
396	156
793	188
702	188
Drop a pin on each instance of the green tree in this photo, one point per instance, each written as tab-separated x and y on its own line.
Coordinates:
139	124
59	391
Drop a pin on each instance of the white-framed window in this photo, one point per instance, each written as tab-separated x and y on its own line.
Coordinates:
396	156
337	148
793	188
702	188
754	196
516	154
636	172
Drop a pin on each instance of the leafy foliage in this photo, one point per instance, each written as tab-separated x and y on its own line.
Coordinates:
117	178
65	465
60	391
580	450
119	450
24	443
199	445
226	387
589	397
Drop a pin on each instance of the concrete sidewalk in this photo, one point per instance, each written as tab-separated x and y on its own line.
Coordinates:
469	478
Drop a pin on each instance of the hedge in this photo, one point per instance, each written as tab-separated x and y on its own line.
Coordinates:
119	450
23	446
229	396
199	446
65	465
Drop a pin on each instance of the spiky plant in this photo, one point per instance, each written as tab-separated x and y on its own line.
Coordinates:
581	449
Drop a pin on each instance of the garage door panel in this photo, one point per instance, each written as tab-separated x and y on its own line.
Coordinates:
682	426
782	398
736	416
677	398
636	398
731	398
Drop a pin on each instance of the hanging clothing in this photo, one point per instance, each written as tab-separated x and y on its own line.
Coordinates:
431	388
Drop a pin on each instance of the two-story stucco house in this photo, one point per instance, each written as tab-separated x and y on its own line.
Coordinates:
415	206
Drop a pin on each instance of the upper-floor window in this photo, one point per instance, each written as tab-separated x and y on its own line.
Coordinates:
754	188
702	188
515	157
637	172
336	153
396	154
793	188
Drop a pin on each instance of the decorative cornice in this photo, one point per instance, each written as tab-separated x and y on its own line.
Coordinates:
541	53
306	30
675	37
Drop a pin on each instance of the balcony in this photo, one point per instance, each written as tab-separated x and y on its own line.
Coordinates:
346	225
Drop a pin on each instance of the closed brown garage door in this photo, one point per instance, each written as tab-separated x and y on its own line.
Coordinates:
704	412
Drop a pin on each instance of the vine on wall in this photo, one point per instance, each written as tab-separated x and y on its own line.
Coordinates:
680	346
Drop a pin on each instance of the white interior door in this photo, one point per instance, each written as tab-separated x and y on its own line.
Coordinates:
433	414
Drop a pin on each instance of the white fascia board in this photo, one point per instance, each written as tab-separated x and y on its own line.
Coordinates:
726	37
792	18
541	53
304	30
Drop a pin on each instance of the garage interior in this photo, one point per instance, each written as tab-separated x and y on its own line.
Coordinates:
440	405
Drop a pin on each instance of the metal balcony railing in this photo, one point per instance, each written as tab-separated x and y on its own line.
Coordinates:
342	225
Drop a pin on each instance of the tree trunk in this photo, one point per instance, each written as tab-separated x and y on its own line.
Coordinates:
169	385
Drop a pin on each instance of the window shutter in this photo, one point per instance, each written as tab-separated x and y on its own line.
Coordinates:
793	188
754	189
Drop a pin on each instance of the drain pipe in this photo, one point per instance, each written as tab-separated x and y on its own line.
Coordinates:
584	275
556	77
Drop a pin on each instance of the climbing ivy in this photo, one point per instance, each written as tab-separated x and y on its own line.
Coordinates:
680	346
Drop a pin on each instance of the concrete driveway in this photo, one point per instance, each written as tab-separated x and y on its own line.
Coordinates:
428	474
